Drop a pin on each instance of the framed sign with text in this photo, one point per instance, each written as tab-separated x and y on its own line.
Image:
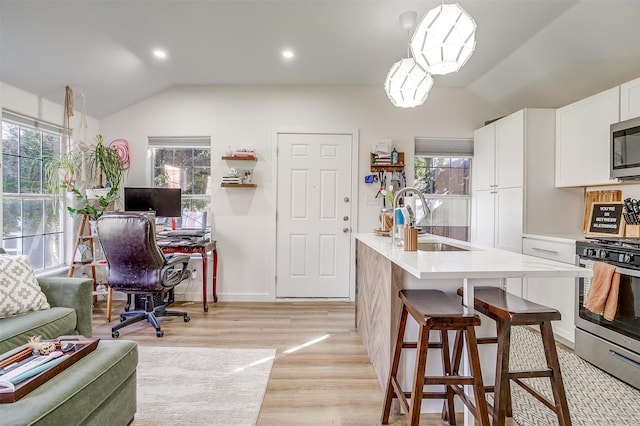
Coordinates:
606	220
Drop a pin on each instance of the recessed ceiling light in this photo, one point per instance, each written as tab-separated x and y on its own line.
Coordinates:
288	54
159	53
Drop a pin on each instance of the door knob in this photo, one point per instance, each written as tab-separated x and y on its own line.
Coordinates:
346	199
346	218
345	230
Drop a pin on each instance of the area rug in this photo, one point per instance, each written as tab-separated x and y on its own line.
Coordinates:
201	386
594	397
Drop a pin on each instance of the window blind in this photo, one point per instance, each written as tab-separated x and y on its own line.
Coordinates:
181	141
444	147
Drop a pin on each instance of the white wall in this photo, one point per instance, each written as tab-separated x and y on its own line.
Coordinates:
246	117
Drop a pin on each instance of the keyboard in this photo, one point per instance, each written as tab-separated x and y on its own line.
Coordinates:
184	232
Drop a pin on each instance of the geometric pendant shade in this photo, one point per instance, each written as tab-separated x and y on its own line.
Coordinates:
407	84
444	39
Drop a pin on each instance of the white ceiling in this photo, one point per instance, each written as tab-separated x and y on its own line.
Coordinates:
529	53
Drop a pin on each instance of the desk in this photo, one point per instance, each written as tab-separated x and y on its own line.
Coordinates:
202	249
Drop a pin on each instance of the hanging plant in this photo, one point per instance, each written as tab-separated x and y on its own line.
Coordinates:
60	172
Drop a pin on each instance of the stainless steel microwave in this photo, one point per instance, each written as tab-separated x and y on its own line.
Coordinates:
625	149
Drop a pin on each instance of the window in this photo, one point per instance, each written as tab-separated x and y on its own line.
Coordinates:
183	163
442	173
31	224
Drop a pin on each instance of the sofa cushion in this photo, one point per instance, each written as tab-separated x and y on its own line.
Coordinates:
48	324
19	289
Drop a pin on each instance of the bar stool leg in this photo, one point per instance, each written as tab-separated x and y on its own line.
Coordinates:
478	386
419	374
501	396
550	353
448	408
390	392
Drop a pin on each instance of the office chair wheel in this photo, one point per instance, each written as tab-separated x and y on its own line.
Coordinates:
186	318
115	334
159	333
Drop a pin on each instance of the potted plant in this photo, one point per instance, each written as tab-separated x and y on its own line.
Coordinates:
95	208
61	172
106	167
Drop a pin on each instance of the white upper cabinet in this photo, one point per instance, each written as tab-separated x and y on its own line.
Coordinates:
510	150
483	172
582	140
513	182
630	100
498	153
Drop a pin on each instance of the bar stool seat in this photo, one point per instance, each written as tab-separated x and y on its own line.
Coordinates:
510	310
434	310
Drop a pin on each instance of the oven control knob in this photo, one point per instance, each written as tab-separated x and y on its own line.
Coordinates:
590	252
628	258
602	254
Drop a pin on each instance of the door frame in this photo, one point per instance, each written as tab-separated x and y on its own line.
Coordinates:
353	209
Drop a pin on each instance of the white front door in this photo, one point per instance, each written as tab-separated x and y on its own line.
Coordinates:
313	236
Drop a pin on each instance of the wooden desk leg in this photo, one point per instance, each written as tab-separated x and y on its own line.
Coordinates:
215	275
205	306
109	302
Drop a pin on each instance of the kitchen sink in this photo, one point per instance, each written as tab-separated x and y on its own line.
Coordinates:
432	246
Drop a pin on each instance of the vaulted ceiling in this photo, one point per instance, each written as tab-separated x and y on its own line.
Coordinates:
529	53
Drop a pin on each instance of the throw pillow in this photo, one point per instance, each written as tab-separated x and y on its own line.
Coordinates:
19	289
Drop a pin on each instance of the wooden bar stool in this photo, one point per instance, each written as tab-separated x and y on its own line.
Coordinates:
509	310
434	310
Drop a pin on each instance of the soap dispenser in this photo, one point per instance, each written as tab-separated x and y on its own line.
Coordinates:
394	156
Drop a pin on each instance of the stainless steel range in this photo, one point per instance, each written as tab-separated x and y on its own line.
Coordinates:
613	346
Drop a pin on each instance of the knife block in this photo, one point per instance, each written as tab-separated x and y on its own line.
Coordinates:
632	231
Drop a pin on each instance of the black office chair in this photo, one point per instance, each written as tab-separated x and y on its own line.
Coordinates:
138	268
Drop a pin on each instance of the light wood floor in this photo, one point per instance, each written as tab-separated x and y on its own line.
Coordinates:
327	383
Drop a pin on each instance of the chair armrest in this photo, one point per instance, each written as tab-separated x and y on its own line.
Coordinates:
172	273
75	293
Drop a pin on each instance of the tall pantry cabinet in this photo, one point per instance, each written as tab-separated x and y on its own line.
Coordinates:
513	183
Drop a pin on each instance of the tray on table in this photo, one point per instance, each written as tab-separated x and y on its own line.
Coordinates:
83	348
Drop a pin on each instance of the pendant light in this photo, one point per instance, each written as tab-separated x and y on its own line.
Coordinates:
444	39
407	84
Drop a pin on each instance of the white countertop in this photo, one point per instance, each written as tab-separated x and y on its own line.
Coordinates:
477	262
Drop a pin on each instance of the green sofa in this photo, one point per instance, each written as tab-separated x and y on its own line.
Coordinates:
99	389
70	313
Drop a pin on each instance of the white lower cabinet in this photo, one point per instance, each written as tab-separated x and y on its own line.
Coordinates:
557	293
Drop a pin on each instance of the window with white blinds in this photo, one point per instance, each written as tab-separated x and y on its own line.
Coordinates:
185	163
32	223
442	172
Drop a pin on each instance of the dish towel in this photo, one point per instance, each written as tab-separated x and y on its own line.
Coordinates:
603	293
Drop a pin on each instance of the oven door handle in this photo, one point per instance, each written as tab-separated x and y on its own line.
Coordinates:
630	272
622	271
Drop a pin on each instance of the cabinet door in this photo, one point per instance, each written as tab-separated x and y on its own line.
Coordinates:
508	219
509	149
582	140
483	158
557	293
483	217
630	100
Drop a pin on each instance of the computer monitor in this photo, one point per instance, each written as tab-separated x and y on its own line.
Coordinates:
166	202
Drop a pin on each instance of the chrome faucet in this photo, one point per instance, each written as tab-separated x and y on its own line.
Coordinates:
396	199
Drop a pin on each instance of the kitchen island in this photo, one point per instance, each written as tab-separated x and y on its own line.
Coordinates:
446	264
